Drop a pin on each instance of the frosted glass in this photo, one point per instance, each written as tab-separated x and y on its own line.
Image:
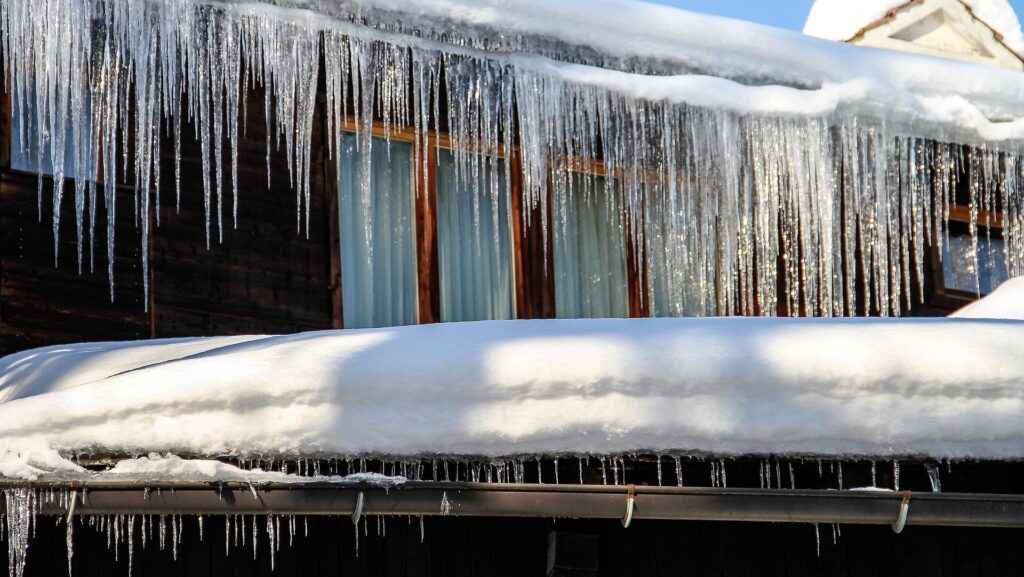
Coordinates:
31	148
590	252
378	253
958	265
474	242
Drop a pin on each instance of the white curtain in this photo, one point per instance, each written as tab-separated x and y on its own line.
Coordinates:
31	148
590	251
474	240
377	233
958	263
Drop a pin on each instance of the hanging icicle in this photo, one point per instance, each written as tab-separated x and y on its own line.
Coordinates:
737	212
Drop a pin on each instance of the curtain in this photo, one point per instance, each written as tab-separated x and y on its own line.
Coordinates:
590	251
37	156
474	240
377	234
958	258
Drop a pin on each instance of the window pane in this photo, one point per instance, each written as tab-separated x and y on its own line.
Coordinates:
672	286
378	258
31	148
958	265
590	251
474	242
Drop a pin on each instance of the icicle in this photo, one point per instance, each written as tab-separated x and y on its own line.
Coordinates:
817	540
714	198
20	516
131	543
933	477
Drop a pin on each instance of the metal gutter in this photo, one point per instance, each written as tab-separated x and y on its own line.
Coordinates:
546	501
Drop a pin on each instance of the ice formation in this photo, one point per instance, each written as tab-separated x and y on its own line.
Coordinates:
842	19
938	388
737	146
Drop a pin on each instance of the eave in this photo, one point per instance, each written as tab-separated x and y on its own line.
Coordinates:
528	500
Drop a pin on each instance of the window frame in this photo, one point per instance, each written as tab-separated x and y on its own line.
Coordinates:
444	141
428	285
953	298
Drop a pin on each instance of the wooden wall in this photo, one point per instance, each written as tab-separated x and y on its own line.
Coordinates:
264	277
496	547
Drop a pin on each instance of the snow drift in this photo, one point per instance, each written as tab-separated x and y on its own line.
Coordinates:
1006	302
942	388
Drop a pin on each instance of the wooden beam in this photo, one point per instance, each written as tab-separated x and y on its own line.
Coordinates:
426	236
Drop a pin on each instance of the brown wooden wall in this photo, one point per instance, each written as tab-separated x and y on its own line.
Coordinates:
265	277
494	547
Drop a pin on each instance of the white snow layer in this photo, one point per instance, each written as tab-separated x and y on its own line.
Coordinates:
942	388
1006	302
842	19
156	467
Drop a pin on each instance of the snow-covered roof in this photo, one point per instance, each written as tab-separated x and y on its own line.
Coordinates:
843	19
722	386
705	60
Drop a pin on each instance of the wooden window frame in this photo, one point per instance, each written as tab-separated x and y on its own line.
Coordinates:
950	297
428	285
638	306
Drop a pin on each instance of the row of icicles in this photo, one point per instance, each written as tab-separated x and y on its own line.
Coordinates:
715	199
22	506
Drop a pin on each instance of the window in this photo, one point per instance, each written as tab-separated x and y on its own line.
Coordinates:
961	271
32	147
377	234
474	242
590	250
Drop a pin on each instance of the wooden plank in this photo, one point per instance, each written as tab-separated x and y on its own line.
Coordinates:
426	239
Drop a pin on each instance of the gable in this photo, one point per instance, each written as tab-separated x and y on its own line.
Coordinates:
946	28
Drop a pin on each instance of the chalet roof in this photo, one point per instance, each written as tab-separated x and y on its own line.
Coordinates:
846	21
891	15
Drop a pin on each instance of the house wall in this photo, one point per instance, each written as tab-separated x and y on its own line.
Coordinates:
459	547
265	276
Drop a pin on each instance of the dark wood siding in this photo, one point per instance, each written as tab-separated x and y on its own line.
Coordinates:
42	304
267	276
518	548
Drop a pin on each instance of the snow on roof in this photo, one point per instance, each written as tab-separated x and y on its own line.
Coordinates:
724	386
1006	302
842	19
708	60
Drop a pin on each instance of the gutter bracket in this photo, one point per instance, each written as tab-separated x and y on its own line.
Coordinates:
358	512
901	519
630	505
71	507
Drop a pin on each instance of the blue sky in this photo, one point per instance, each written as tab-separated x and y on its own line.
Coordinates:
782	13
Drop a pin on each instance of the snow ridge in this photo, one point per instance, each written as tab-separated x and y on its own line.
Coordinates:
941	388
